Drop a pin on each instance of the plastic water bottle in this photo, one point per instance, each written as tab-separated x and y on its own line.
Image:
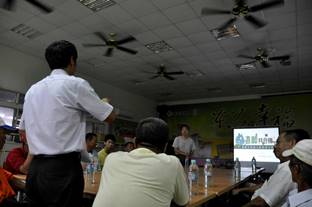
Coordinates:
186	164
207	171
90	172
237	170
253	165
193	177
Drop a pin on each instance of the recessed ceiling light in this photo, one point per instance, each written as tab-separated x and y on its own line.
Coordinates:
257	85
26	31
158	47
97	5
229	32
246	66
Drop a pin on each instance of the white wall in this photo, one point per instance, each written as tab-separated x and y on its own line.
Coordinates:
18	71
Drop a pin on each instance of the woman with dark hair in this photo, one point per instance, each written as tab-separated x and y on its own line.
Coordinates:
184	145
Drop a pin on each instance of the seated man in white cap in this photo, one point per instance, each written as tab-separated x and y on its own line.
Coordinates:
301	170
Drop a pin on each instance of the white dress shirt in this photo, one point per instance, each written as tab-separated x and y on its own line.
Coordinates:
184	145
55	111
141	178
302	199
276	189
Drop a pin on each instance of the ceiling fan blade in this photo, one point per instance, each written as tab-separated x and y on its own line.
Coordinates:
168	77
246	56
8	4
93	45
227	24
127	50
102	37
208	11
283	57
266	5
109	52
125	40
265	64
256	22
155	76
40	5
175	73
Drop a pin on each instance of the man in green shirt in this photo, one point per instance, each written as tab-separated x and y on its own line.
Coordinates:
109	142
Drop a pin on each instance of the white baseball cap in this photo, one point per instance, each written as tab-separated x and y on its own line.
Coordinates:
302	151
3	125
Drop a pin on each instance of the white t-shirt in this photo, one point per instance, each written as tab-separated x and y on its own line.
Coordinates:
302	199
184	145
55	110
275	190
141	178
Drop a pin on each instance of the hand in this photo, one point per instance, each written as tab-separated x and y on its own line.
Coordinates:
106	100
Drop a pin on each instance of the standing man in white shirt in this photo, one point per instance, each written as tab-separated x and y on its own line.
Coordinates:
184	145
54	116
274	192
301	170
144	177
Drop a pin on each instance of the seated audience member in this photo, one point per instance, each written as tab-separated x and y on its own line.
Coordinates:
6	190
86	155
184	145
18	159
109	142
301	170
274	191
129	146
91	139
145	176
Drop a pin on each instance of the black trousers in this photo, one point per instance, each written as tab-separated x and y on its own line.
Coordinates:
55	181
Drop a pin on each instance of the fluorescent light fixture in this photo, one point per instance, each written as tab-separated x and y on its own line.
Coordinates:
26	31
97	5
229	32
246	66
257	85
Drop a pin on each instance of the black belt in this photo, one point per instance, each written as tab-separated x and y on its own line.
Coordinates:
74	155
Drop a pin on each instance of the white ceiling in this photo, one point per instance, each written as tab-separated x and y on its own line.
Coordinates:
208	63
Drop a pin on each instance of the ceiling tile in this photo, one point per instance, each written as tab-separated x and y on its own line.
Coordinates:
139	8
133	27
75	10
179	42
57	18
169	32
192	26
115	14
163	4
155	20
201	37
147	37
174	13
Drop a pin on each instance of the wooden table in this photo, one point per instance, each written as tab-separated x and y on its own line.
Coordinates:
221	181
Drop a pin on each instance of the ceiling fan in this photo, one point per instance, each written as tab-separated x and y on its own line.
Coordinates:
112	43
242	9
263	58
162	72
9	5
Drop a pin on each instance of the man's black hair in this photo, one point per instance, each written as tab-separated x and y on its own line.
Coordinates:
184	125
58	54
90	136
152	132
296	134
110	137
305	170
